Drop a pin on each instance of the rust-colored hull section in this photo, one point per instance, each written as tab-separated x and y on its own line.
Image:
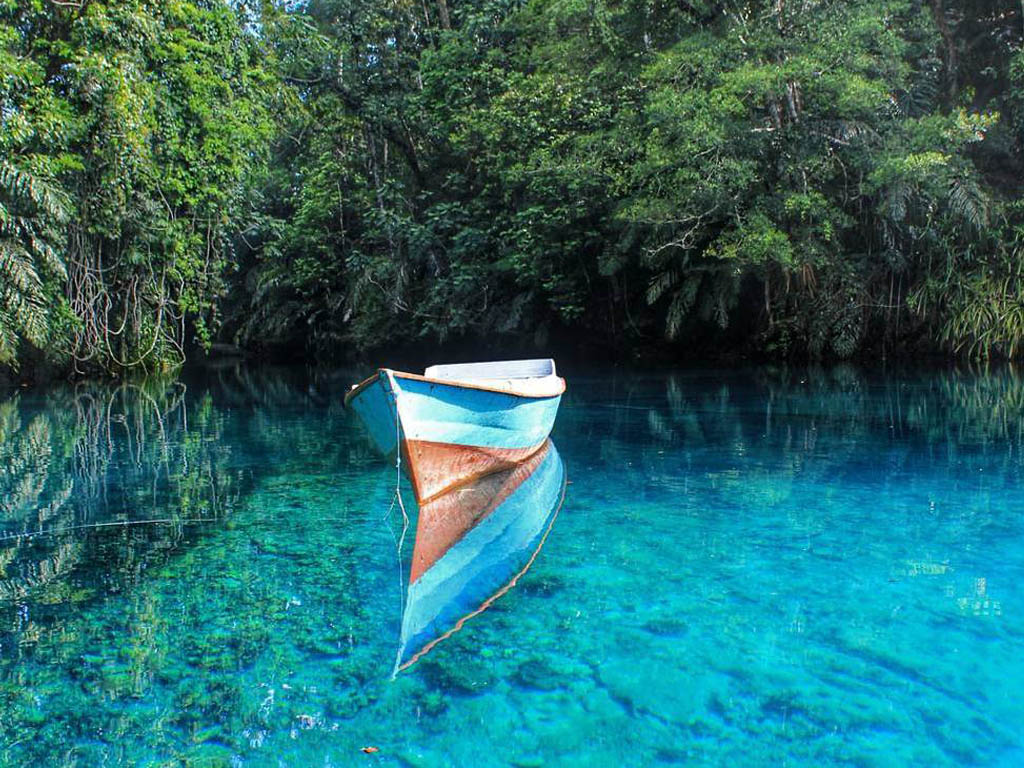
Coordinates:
438	467
489	601
445	520
472	546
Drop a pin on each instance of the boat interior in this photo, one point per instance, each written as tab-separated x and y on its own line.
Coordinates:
529	377
500	369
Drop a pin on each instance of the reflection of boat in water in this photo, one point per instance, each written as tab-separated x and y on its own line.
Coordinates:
473	544
459	422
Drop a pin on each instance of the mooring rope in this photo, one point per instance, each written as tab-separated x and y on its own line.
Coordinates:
398	469
400	543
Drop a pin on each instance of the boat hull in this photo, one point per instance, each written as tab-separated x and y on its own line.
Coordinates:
473	544
450	433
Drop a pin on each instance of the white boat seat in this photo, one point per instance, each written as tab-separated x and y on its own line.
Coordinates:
499	369
527	377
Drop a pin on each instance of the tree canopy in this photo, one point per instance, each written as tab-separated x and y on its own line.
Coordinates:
777	177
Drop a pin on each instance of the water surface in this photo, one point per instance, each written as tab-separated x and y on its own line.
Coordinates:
764	567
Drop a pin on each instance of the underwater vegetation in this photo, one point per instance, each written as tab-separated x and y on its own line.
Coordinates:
812	566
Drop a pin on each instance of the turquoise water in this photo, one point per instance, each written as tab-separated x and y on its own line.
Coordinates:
794	567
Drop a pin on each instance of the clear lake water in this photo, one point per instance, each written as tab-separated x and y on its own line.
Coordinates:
756	567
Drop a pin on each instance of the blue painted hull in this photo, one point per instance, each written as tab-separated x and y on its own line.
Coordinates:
447	413
447	432
486	560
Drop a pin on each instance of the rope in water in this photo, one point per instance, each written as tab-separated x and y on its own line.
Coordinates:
401	505
398	470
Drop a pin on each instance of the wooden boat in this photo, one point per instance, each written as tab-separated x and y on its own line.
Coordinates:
473	543
456	423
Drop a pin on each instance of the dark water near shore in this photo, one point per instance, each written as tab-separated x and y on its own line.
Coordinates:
764	567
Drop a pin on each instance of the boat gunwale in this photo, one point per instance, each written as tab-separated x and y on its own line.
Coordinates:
358	388
362	385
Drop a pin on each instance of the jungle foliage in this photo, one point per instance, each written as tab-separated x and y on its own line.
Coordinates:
784	177
128	136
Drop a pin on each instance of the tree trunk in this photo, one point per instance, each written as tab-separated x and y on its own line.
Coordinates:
442	11
950	57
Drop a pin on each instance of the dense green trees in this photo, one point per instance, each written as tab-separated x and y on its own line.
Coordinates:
130	130
791	178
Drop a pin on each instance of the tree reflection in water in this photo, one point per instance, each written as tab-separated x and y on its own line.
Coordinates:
99	474
778	415
258	634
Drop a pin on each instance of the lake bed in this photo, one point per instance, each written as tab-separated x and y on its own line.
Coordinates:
766	566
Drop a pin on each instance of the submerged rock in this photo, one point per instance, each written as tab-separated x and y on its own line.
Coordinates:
647	686
545	674
527	761
467	677
348	703
432	703
536	586
666	626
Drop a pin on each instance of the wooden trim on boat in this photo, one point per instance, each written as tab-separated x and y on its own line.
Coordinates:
514	476
450	383
414	478
481	387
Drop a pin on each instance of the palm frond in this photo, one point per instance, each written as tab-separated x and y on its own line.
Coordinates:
32	208
17	272
897	199
660	284
8	338
21	185
968	202
681	304
923	94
